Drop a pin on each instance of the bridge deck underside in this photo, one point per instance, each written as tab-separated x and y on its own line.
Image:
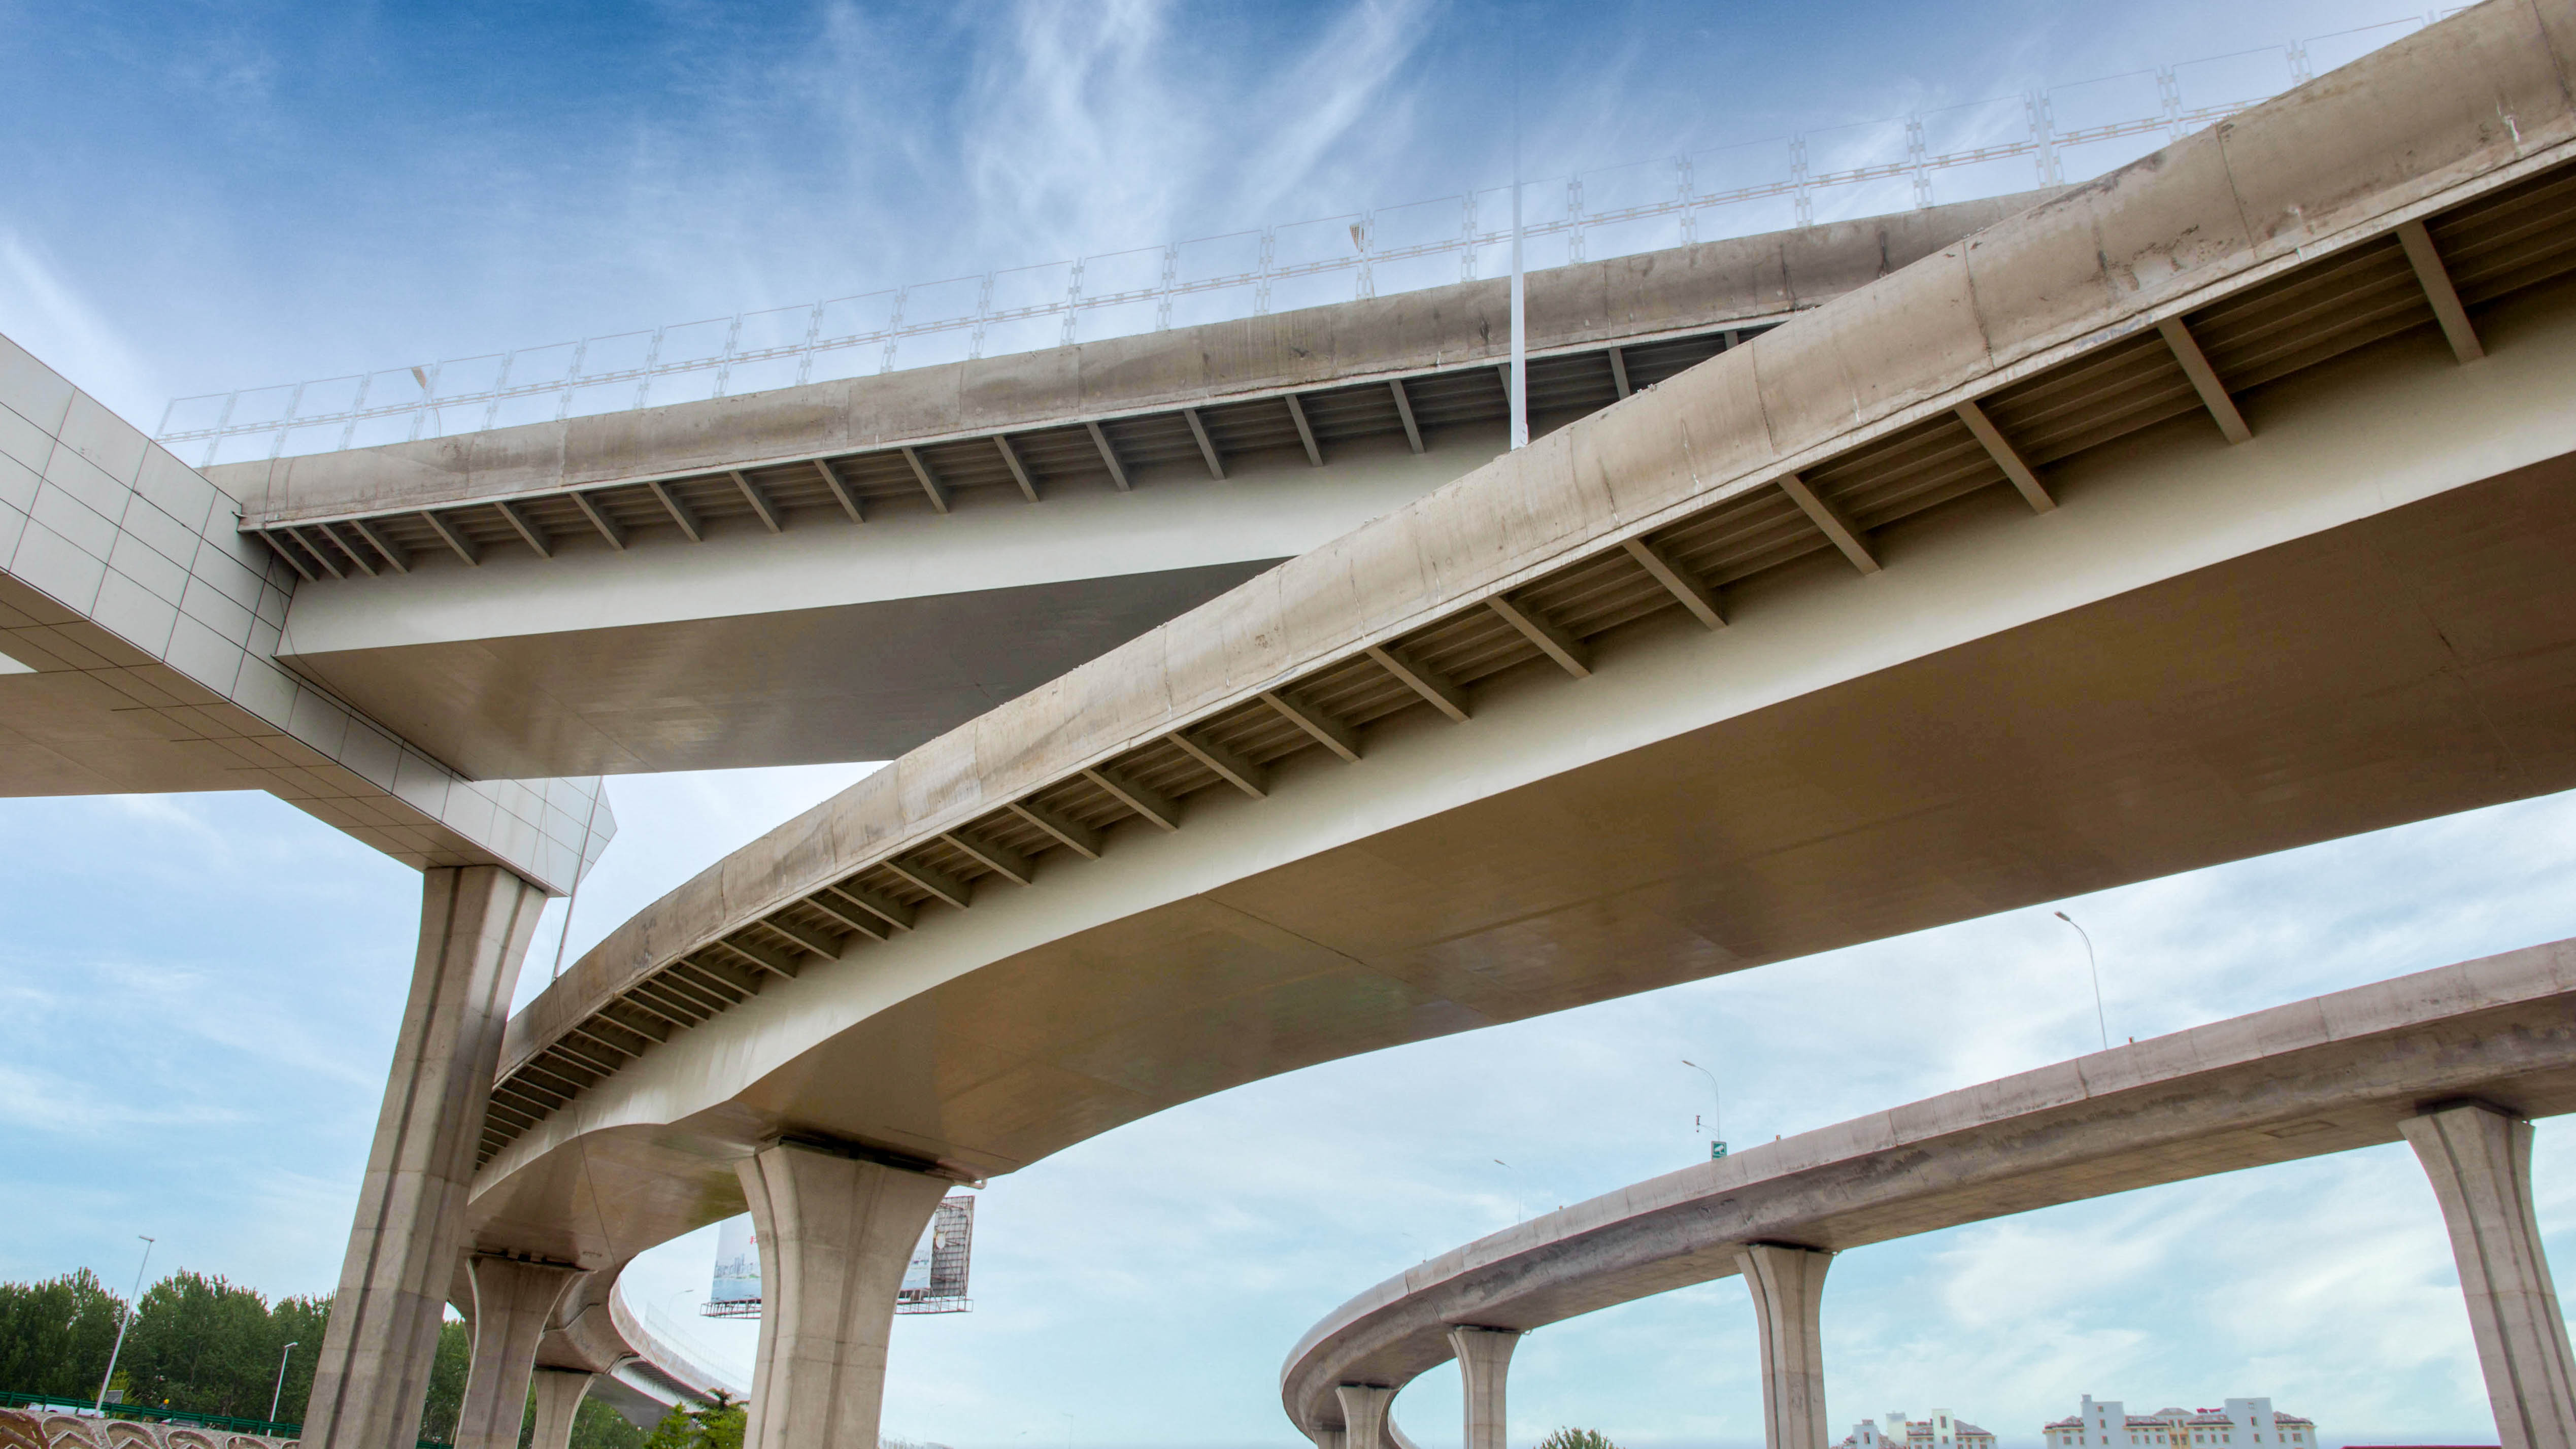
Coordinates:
846	487
2416	665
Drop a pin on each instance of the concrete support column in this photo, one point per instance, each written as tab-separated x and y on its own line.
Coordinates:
1788	1286
835	1234
2479	1158
513	1304
475	923
1484	1360
559	1395
1364	1421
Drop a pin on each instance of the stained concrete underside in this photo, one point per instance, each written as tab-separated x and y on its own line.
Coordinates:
2320	1076
791	632
2416	664
859	681
2182	652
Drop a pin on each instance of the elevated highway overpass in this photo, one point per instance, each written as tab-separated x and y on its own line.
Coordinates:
841	571
139	654
2212	508
2357	1068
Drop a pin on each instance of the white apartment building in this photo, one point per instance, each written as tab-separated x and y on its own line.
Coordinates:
2242	1424
1941	1431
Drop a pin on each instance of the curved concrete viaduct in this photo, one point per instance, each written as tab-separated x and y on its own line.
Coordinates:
842	570
2352	1069
2212	508
1486	757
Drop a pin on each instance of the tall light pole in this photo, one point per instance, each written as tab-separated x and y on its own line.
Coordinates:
1520	323
123	1324
273	1399
1717	1114
2093	966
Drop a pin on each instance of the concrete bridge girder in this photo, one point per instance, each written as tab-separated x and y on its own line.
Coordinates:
2454	1061
843	570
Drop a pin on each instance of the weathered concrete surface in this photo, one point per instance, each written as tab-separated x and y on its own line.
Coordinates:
410	1229
2479	1159
835	1236
1484	1370
559	1393
825	641
1788	1287
514	1303
139	654
2320	1076
1686	289
2360	618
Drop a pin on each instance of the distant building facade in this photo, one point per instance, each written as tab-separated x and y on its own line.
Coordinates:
1941	1431
2241	1424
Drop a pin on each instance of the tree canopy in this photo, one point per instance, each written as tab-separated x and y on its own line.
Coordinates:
207	1346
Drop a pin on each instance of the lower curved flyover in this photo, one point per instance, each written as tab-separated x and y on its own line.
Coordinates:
2320	1076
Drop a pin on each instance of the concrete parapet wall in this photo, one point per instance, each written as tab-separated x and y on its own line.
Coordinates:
1685	289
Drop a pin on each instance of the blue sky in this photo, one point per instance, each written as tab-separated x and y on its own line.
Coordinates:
200	197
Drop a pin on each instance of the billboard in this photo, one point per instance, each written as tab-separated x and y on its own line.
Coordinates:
934	1280
736	1290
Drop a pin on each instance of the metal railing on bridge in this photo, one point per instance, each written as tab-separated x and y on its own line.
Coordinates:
1613	211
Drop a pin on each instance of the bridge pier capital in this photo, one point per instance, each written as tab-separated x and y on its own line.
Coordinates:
1484	1361
1788	1287
2479	1158
835	1235
514	1304
559	1394
1364	1414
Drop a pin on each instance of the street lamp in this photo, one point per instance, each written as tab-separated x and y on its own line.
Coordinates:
2093	966
281	1384
1717	1114
123	1324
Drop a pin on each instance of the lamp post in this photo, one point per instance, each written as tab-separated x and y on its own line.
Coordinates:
123	1324
1717	1114
280	1394
2094	967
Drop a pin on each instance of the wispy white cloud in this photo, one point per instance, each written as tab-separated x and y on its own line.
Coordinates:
44	312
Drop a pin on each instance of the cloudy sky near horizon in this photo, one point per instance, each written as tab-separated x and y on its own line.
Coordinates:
201	197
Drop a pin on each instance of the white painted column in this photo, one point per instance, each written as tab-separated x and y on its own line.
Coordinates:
514	1303
1364	1409
835	1234
559	1395
2479	1158
1788	1287
1484	1361
475	923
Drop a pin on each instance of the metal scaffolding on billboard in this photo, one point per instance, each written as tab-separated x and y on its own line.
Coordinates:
835	337
934	1280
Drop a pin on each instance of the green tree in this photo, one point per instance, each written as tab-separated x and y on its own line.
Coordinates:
302	1322
718	1425
55	1335
446	1382
1577	1439
200	1343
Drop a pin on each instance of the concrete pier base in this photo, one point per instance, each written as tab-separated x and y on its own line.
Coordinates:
513	1304
559	1393
835	1234
2479	1158
1364	1421
1788	1287
475	923
1484	1361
